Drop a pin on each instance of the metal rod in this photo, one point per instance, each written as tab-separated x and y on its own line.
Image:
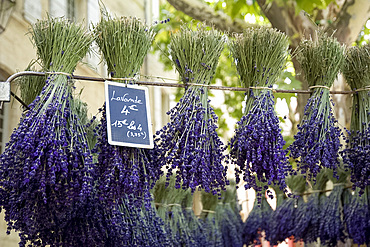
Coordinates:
166	84
19	100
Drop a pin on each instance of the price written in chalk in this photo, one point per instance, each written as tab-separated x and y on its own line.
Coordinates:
128	117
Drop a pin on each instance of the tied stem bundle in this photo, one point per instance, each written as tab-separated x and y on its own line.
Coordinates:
317	142
356	156
257	145
124	43
308	215
189	145
46	170
284	219
356	216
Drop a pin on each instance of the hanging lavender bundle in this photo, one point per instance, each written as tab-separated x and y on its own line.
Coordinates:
317	142
198	228
169	201
331	229
356	217
46	170
356	156
228	218
331	223
284	219
257	146
189	145
124	43
257	222
144	227
308	215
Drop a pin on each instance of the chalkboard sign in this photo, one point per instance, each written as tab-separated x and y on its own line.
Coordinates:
4	91
128	115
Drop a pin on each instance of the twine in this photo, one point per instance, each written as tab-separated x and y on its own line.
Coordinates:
316	191
319	86
367	88
122	79
268	88
208	211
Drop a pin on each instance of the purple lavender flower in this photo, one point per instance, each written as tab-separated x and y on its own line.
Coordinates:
283	220
257	222
356	216
46	169
124	171
189	145
357	153
257	146
317	142
331	227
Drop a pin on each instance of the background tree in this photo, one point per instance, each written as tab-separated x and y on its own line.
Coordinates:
345	19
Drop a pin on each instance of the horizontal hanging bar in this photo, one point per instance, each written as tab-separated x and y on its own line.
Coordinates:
165	84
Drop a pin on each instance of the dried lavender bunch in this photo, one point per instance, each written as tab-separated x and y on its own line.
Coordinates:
189	145
144	227
357	215
257	146
356	156
317	142
170	208
283	220
228	218
124	43
46	170
196	226
331	223
257	222
124	170
308	214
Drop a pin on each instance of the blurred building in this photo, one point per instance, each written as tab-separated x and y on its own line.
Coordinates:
16	51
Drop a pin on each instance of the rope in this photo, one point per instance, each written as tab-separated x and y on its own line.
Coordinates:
319	86
367	88
268	88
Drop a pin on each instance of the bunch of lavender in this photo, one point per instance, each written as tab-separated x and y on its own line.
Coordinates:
317	142
197	226
257	222
145	227
356	156
356	217
170	209
189	144
124	43
284	219
46	169
331	223
308	215
90	226
211	221
229	221
257	146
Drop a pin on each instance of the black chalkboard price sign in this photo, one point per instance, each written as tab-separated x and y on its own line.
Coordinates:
128	115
